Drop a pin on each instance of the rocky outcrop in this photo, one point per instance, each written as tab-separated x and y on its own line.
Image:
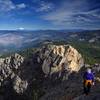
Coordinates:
19	85
58	58
49	62
9	68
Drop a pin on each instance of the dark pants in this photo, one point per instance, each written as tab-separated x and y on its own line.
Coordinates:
87	88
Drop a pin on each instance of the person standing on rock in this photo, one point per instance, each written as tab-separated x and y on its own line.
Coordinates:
88	81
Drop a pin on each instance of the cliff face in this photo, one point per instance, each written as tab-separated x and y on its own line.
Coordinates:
52	62
58	58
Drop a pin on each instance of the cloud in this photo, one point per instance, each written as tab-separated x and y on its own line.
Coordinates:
73	13
64	13
43	6
94	12
31	40
21	6
20	28
11	39
8	5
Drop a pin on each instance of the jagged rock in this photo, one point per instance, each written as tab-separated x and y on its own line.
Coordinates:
55	61
96	67
19	85
9	67
98	79
58	57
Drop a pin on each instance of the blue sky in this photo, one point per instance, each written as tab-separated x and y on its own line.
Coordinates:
49	14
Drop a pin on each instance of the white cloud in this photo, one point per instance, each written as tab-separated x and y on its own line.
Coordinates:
20	6
95	13
11	39
44	6
67	13
8	5
21	28
31	40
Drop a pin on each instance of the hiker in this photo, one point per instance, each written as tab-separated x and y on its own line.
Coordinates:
88	81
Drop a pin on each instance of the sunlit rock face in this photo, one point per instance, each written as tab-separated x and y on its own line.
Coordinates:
60	57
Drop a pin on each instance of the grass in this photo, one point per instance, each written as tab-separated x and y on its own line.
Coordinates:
90	54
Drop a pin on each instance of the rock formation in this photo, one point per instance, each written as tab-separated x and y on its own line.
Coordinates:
57	58
9	68
57	61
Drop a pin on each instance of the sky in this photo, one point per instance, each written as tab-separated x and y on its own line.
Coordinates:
49	14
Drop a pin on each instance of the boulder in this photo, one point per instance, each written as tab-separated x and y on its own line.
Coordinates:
57	58
19	85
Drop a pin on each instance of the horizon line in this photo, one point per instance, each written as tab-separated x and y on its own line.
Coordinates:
45	29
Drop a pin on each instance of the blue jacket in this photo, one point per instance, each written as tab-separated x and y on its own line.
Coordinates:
88	76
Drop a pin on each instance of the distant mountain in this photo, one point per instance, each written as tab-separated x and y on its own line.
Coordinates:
15	40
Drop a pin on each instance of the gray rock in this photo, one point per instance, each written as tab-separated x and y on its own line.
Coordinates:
19	85
9	67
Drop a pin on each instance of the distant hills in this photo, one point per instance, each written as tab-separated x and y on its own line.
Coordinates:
17	40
